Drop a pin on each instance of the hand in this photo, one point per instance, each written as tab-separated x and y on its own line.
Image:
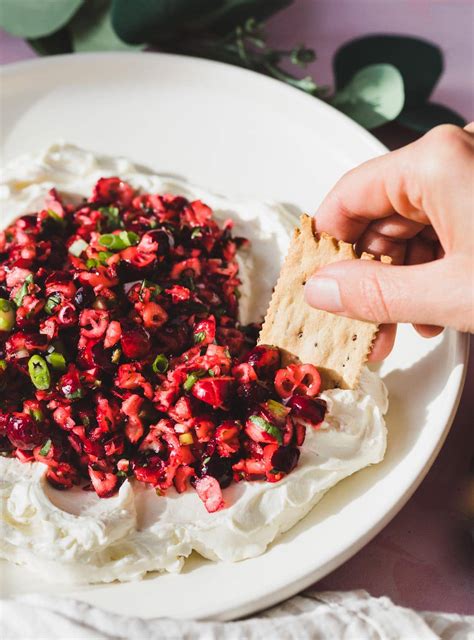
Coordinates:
415	204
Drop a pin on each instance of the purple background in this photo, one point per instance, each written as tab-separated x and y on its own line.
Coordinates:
424	558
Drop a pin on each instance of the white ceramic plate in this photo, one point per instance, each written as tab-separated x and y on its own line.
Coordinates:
240	134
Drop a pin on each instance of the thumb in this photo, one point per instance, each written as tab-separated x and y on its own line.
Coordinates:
429	293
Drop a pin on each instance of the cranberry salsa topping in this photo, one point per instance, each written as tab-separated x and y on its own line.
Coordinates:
121	353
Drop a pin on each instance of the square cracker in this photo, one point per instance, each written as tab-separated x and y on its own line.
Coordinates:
338	346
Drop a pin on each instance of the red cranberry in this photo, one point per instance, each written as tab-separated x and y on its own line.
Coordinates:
310	410
218	468
213	391
105	484
285	459
84	297
149	469
252	393
135	341
264	359
24	432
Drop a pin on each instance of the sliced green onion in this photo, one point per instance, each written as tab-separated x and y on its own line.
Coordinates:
57	361
196	233
119	241
39	372
24	290
192	378
77	247
45	448
52	302
160	364
7	315
264	425
104	256
116	354
199	337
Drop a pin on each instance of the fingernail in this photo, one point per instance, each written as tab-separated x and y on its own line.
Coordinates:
323	293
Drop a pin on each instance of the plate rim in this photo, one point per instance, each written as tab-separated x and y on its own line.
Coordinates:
461	341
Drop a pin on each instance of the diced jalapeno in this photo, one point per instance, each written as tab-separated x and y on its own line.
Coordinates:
7	315
57	361
39	372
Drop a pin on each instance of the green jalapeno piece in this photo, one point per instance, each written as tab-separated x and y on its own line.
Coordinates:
7	315
39	372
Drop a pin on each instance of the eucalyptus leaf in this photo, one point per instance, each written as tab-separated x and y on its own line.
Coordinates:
429	115
141	21
419	62
373	96
91	29
36	18
57	42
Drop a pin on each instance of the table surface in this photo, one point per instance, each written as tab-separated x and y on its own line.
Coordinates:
424	558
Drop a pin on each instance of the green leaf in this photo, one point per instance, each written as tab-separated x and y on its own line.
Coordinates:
419	62
57	42
36	18
426	116
24	290
92	30
374	96
153	20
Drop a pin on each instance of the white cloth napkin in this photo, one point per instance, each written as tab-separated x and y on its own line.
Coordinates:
310	616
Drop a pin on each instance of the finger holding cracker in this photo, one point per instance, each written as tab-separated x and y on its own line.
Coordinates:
338	346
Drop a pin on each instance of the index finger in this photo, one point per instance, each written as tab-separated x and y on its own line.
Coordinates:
374	190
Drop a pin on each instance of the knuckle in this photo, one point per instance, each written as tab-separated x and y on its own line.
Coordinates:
443	148
444	134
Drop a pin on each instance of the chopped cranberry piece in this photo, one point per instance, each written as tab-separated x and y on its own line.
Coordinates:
208	489
265	360
105	484
135	341
24	432
285	459
309	411
214	391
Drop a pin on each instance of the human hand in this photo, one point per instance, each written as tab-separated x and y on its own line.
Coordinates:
415	204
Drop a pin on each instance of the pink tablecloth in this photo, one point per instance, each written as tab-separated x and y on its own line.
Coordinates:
424	558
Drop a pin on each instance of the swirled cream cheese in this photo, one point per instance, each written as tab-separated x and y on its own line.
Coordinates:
74	536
